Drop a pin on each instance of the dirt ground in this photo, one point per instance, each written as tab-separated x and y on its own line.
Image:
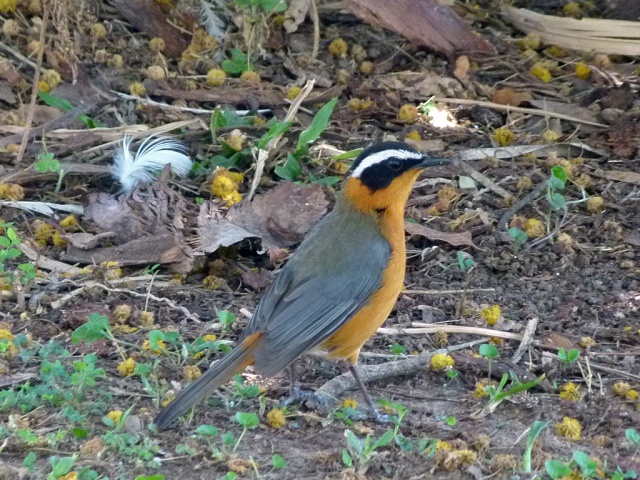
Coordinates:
574	275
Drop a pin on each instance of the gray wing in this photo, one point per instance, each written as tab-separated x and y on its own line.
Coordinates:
316	293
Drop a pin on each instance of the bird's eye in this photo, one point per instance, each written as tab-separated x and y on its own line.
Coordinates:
395	164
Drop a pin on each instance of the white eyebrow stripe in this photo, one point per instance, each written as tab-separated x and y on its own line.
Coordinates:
382	156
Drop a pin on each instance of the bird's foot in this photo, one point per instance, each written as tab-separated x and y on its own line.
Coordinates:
297	395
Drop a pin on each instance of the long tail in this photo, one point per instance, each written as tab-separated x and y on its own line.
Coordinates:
220	373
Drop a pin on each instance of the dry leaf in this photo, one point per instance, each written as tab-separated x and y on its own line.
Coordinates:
295	14
456	239
280	217
461	69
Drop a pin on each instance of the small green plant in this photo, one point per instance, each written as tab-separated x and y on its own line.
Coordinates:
489	352
568	357
46	162
237	64
397	350
248	421
556	183
9	243
633	436
465	261
63	104
498	394
558	469
226	318
278	462
518	236
537	428
60	466
361	451
268	6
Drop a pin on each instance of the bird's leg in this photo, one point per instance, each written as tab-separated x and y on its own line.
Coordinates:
297	394
381	418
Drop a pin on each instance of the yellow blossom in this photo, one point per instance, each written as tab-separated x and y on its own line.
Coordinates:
408	113
340	167
491	314
11	191
570	428
120	328
534	228
137	89
115	416
8	6
210	337
250	77
170	395
42	232
541	72
276	419
503	136
413	135
570	391
191	372
480	390
293	92
225	185
127	367
338	48
58	240
441	361
5	334
68	222
146	318
587	342
550	136
582	71
442	445
121	313
69	476
216	77
146	345
595	204
349	403
620	388
572	9
631	395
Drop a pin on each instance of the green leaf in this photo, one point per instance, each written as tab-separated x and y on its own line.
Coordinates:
247	419
556	469
384	440
534	432
96	328
632	435
278	129
558	178
238	62
54	101
518	236
13	236
226	318
488	350
278	462
451	421
30	461
556	200
585	463
568	356
398	349
318	125
354	442
79	433
62	466
5	242
207	430
329	181
465	261
273	6
346	458
228	438
291	170
348	155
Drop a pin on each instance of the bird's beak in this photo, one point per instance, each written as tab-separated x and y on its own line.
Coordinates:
428	161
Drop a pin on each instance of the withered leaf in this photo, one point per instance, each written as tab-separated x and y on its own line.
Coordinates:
456	239
280	217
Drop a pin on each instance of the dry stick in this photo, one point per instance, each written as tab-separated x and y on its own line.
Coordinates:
483	179
46	263
428	329
448	292
369	373
508	108
527	339
315	19
34	88
528	198
272	146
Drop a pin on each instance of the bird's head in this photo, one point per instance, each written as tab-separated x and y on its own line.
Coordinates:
383	174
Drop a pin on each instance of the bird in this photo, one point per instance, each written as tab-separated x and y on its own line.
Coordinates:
337	288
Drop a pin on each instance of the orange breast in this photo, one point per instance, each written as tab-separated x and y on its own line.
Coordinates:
347	341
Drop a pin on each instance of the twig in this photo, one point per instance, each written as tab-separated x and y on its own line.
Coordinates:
486	332
21	57
369	373
528	198
46	263
34	87
527	339
482	178
448	292
508	108
315	19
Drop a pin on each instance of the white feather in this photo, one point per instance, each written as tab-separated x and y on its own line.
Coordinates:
211	18
379	157
152	155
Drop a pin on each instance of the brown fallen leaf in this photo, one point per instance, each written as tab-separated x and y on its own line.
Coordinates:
425	22
456	239
508	96
618	176
257	280
461	69
280	217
